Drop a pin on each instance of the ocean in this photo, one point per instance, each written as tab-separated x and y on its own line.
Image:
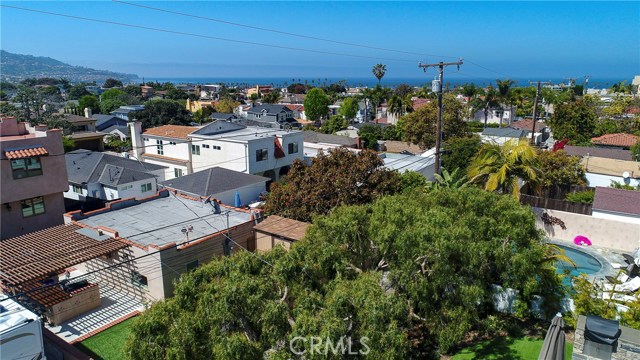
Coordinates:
370	82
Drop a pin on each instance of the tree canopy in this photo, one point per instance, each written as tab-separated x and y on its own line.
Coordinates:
163	112
338	177
316	104
420	126
558	173
413	273
333	125
458	152
349	108
575	121
111	83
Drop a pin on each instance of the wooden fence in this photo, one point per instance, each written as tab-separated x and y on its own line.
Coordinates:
555	204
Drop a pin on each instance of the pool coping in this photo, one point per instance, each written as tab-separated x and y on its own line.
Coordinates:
606	270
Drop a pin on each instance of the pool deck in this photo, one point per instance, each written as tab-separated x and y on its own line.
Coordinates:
611	260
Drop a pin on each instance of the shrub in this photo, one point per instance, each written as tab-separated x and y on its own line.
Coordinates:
584	197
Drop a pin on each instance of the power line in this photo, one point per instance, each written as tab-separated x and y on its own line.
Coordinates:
278	31
203	36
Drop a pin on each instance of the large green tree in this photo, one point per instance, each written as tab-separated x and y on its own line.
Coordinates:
349	108
91	102
558	173
338	177
575	121
77	91
413	273
111	83
113	99
316	104
458	152
420	126
378	71
333	125
163	112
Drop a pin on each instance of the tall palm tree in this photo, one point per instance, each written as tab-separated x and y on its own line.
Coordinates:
378	71
470	91
500	168
504	94
489	102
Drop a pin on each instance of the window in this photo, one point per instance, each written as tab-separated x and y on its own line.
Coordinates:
262	154
23	168
177	172
77	189
32	207
216	147
192	265
172	142
195	149
293	148
160	147
126	187
138	279
205	146
145	139
145	187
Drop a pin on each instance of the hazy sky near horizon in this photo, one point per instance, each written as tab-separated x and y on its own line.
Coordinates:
512	39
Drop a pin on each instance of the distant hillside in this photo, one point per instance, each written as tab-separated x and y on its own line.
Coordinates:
16	67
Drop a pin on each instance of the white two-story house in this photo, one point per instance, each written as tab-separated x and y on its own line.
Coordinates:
188	149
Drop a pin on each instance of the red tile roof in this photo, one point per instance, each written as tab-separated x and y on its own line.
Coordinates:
619	139
418	103
527	124
171	131
25	153
617	200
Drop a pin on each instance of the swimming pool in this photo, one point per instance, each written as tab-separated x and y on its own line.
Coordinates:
585	264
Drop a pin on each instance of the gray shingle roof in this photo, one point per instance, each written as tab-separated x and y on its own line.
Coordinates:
270	109
116	175
316	137
617	200
122	128
213	181
505	132
103	119
616	154
222	116
85	166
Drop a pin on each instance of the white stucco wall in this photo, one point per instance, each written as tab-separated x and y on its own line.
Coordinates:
248	194
232	155
633	219
605	180
70	194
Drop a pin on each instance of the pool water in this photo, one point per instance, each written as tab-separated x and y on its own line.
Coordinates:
585	264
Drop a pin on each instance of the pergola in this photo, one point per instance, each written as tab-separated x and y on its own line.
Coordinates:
30	265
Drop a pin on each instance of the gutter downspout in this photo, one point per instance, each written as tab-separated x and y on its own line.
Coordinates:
190	163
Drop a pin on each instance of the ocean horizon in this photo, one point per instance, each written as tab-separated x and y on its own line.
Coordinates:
370	82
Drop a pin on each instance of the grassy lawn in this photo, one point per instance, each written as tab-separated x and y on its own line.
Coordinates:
108	344
524	348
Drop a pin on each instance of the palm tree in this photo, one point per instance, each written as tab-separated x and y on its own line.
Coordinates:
504	94
500	168
449	180
489	101
378	71
470	91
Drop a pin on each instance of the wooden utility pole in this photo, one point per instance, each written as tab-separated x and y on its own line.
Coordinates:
440	66
535	115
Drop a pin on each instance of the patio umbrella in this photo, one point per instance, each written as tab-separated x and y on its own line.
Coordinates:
238	202
553	346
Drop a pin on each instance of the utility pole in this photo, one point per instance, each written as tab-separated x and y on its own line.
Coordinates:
440	66
535	114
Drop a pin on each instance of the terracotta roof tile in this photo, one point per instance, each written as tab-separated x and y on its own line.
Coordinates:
527	124
25	153
418	103
283	227
171	131
619	139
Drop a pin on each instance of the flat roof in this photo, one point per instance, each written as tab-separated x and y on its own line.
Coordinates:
404	163
598	165
160	221
617	200
246	134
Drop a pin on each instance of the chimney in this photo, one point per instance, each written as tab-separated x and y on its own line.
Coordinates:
135	129
87	113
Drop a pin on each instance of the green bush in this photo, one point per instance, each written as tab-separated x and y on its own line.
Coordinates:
584	197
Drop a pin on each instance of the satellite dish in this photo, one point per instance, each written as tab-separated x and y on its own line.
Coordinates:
625	174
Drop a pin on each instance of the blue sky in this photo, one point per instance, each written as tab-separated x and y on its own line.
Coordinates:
515	39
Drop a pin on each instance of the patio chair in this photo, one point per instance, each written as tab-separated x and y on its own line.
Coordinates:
627	287
629	259
633	270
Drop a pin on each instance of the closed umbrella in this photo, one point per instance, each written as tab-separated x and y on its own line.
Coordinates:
238	202
553	346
